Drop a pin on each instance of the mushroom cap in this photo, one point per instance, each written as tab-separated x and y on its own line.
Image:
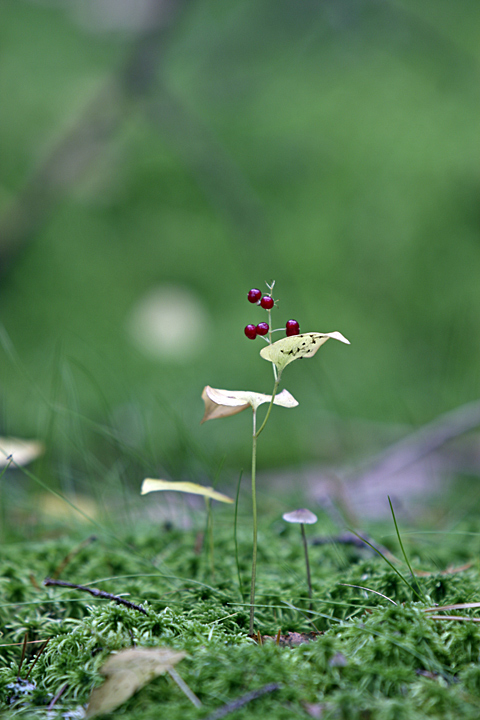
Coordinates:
302	515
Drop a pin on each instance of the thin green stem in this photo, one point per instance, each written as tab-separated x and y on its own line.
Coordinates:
420	592
255	435
254	515
207	542
240	586
269	410
307	563
210	539
275	375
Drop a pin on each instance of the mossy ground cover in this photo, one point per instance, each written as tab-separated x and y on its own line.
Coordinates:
370	659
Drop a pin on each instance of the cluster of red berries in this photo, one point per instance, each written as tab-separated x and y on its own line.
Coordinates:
267	302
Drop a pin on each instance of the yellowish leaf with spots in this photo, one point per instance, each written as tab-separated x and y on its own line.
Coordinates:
285	351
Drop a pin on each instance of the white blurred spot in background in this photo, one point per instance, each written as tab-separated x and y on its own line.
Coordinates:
115	15
170	322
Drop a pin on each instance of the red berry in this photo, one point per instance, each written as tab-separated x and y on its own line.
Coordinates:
267	302
254	295
262	328
251	332
292	328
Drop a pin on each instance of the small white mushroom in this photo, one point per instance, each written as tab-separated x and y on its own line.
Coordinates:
303	517
300	516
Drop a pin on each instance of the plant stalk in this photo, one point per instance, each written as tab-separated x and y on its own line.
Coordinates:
275	388
254	515
256	433
307	563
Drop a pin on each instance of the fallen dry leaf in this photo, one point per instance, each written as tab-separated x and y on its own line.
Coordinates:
290	639
451	570
150	485
127	671
315	710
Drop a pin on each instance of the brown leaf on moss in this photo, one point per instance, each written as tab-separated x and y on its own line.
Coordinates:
290	639
315	710
127	671
450	570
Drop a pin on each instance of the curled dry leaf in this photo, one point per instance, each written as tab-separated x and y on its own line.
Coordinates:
128	671
150	485
285	351
20	452
222	403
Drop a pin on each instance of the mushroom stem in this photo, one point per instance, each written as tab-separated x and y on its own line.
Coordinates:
307	563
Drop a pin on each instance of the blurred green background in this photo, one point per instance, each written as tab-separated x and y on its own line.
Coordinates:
160	158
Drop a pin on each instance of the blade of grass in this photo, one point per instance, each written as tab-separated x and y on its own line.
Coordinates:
361	587
419	593
240	586
390	564
209	545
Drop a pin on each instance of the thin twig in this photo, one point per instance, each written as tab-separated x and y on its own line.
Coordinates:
37	657
241	701
57	696
96	593
24	648
184	687
453	617
30	642
68	558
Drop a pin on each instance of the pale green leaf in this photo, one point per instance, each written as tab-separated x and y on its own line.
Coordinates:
150	485
222	403
285	351
128	671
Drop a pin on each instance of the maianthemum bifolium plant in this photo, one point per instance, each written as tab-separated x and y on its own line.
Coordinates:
222	403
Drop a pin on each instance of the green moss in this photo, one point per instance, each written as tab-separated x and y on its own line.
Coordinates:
372	659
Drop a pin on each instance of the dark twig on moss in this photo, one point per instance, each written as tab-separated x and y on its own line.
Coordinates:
37	657
57	696
24	649
241	701
96	593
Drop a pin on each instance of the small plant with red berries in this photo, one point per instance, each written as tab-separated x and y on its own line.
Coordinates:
222	403
267	302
